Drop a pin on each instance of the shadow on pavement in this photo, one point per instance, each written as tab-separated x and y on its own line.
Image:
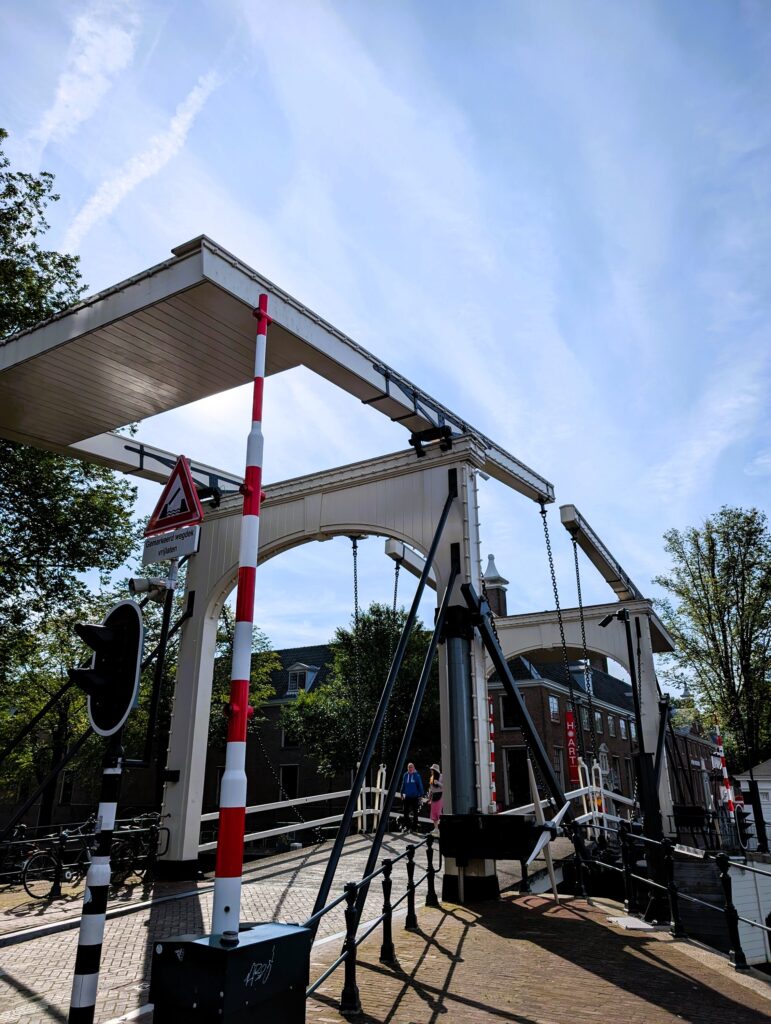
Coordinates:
631	962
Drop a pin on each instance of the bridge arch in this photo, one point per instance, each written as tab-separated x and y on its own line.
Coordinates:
396	496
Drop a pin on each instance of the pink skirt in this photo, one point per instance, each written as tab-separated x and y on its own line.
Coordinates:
436	810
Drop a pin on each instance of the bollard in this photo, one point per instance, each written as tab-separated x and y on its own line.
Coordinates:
411	921
387	955
578	867
431	897
349	1000
630	901
735	953
676	925
524	879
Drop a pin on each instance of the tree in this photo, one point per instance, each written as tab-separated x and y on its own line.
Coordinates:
265	662
331	721
35	283
719	615
60	519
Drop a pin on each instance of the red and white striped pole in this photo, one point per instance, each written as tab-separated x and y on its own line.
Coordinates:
493	794
230	836
726	781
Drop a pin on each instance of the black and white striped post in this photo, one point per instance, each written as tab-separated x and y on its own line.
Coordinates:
112	685
89	955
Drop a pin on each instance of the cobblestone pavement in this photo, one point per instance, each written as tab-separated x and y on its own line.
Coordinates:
36	975
521	959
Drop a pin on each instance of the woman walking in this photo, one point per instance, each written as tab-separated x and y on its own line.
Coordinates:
436	794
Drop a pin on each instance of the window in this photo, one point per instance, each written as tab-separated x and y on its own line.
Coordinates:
611	725
296	682
629	775
290	781
616	774
289	739
554	709
633	731
508	718
622	727
598	721
764	796
558	765
585	719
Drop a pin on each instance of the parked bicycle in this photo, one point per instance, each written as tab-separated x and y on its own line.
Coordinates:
14	852
63	866
135	849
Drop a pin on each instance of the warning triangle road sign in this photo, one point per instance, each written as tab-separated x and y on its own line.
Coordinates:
178	505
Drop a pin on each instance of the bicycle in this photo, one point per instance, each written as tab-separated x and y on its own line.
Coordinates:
46	871
14	852
135	851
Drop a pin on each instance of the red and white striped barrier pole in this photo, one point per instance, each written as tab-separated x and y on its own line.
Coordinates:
726	781
230	836
493	794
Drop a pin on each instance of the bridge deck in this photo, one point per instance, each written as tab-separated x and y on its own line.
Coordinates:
524	960
519	959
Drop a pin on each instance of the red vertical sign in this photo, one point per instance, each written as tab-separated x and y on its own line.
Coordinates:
572	745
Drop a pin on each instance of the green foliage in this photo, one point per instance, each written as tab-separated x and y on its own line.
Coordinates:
332	720
59	518
35	283
265	662
719	615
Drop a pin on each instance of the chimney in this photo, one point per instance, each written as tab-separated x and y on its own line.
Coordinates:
495	585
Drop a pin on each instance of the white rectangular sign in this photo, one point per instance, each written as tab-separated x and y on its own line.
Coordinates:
171	545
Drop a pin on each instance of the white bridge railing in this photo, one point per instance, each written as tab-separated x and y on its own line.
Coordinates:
363	811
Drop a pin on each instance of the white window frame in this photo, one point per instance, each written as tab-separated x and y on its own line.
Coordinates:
554	708
622	728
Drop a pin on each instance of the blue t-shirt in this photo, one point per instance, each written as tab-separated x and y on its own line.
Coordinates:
412	784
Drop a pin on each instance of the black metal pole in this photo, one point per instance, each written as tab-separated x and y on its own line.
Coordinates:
387	945
481	611
411	921
160	663
409	732
735	953
377	724
649	797
349	1000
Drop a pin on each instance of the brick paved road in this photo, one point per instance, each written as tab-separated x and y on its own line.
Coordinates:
36	976
525	961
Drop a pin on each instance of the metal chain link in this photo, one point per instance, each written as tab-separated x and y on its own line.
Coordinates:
587	672
539	779
391	648
566	663
356	689
318	838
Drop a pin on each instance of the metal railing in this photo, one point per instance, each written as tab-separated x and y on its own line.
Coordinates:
664	852
349	999
364	814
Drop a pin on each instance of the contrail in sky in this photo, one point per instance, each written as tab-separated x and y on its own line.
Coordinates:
153	158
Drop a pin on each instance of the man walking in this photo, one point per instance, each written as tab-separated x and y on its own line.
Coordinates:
412	791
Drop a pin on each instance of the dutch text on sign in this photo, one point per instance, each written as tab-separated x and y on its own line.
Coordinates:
171	545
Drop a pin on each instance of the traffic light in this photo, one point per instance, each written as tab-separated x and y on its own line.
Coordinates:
112	680
745	827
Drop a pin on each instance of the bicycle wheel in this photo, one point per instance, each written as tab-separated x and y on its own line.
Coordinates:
122	857
38	875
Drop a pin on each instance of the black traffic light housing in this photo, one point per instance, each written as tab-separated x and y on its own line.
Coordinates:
112	680
745	828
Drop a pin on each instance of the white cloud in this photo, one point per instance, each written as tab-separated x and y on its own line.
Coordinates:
725	413
103	43
153	158
760	465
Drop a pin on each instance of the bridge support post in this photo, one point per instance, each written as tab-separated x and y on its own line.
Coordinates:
479	878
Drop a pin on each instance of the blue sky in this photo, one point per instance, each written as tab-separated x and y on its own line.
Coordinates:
553	216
